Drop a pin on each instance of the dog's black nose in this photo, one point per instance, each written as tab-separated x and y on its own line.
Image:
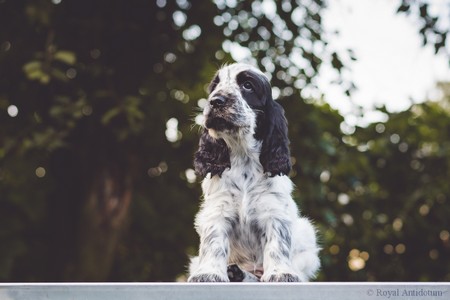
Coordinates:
217	101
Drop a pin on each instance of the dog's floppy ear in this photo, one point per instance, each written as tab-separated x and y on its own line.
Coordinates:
212	156
275	156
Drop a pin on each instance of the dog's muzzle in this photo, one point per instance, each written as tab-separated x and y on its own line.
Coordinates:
217	113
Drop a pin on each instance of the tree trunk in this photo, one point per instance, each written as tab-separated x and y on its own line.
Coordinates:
102	220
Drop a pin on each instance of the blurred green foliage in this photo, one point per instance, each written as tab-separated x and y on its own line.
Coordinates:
97	105
434	32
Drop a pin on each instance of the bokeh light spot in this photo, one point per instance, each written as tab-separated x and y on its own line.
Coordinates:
40	172
13	111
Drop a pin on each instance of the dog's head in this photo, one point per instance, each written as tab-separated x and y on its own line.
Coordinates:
240	104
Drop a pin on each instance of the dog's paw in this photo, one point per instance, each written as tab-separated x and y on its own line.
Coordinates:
207	278
235	274
280	277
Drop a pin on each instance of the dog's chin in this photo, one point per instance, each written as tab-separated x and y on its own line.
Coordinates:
217	125
213	133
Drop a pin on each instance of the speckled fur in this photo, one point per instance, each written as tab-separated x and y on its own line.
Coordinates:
248	217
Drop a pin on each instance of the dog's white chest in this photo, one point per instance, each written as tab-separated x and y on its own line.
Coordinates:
240	182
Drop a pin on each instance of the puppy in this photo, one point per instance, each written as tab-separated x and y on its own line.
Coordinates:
249	225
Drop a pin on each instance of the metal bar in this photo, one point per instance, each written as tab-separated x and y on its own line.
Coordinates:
232	291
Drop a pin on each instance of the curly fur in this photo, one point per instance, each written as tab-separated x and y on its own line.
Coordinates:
249	226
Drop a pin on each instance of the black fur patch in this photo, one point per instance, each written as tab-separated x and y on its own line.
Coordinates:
212	156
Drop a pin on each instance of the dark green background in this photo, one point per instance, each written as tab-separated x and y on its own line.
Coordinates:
95	83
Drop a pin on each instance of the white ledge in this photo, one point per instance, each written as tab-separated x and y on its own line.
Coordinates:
232	291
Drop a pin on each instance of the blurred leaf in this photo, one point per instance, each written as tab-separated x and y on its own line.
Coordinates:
33	70
404	7
67	57
110	114
336	62
423	10
58	74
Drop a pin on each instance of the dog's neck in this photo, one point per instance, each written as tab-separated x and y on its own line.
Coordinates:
242	146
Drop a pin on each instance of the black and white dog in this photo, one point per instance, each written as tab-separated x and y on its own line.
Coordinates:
249	225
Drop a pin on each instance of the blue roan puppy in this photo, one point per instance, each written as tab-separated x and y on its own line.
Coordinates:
249	225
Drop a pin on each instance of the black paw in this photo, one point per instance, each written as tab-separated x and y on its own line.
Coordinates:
207	278
235	274
283	277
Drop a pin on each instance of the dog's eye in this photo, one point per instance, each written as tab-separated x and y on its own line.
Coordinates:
248	86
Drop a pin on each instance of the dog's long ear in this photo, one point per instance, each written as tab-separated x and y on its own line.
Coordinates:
212	156
275	156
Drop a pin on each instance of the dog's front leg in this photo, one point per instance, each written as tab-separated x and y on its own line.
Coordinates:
211	264
277	250
212	260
